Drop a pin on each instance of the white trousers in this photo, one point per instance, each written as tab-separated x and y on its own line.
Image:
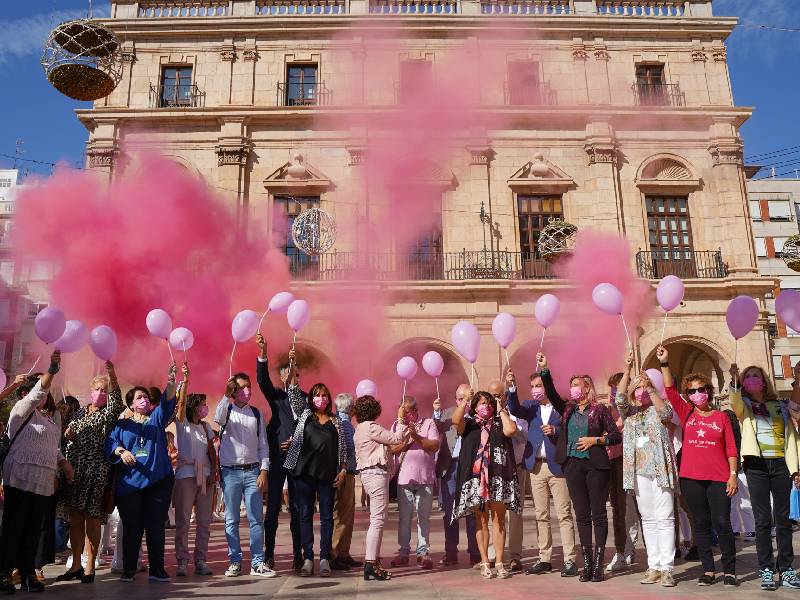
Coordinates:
656	506
742	509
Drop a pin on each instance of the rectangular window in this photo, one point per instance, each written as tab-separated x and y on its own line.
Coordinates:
780	210
523	83
302	86
779	242
793	360
670	236
176	86
777	365
416	77
285	210
7	272
761	247
425	259
4	183
650	85
755	210
533	213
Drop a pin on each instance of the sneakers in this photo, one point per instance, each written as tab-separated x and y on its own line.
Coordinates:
750	535
324	567
651	576
617	563
705	580
789	579
540	568
666	579
182	569
307	570
262	570
201	568
768	581
234	570
127	576
730	581
159	575
570	569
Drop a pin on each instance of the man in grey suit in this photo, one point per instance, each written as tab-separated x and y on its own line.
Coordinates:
446	469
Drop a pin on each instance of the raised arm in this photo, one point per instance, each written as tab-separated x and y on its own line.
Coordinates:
101	421
509	426
11	389
735	393
458	414
165	411
679	405
183	390
550	389
271	393
622	388
514	406
663	358
380	434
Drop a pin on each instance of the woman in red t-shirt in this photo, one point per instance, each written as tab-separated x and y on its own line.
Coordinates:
708	470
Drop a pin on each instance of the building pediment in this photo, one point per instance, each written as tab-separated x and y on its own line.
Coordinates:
540	176
667	172
297	174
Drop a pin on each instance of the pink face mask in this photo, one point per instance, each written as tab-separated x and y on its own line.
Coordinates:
142	405
99	398
243	395
202	412
642	396
537	393
484	411
753	384
576	392
699	398
320	402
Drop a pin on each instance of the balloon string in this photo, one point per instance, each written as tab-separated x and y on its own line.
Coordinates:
508	362
185	353
403	397
736	359
294	340
471	374
262	320
541	343
437	387
664	328
628	335
36	362
172	356
230	364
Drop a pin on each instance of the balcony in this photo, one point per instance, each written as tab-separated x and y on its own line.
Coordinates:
444	266
686	264
183	8
288	8
642	8
539	95
658	94
527	7
176	96
413	7
306	94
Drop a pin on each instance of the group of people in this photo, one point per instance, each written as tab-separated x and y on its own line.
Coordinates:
650	451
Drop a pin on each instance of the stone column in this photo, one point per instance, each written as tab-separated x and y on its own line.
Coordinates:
602	180
102	149
233	154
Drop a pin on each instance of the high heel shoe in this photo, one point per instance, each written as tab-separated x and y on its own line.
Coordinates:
70	575
374	570
88	578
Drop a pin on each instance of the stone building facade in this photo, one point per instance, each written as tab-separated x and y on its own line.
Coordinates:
616	115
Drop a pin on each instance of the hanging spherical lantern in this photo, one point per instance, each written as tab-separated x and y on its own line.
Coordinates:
314	231
82	60
557	240
791	253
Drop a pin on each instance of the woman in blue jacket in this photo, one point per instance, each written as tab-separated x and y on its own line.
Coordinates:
137	448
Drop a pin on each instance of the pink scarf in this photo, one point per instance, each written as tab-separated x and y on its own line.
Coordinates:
480	468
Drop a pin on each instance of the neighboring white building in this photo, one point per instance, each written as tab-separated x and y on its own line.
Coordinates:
775	212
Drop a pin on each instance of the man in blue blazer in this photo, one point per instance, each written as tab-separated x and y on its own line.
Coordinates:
547	479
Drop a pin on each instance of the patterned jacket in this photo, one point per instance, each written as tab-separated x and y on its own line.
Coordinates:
300	407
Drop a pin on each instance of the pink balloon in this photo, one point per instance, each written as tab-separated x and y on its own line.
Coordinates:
74	338
607	298
49	324
159	323
280	302
103	341
467	340
546	310
433	363
787	305
406	368
742	316
298	314
244	325
181	339
366	387
504	329
669	293
658	382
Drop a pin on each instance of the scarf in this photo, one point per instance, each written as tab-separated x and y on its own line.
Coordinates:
480	467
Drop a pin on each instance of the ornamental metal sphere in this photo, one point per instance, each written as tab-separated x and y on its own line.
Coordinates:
82	60
557	239
791	253
314	231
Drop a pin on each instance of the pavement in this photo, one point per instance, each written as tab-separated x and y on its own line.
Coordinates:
411	583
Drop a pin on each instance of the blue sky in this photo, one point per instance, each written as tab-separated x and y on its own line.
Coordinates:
760	61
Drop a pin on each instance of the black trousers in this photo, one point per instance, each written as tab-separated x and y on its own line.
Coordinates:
46	549
765	477
24	514
145	511
619	503
277	475
588	490
711	507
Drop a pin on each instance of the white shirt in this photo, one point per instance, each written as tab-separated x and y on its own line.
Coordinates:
192	443
519	439
241	443
545	410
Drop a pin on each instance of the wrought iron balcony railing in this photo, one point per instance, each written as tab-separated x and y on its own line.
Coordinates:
176	96
658	94
686	264
536	95
305	94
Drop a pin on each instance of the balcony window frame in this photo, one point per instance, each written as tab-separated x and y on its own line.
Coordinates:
522	94
782	218
302	100
178	102
405	96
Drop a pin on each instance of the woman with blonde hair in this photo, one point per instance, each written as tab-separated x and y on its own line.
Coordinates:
587	428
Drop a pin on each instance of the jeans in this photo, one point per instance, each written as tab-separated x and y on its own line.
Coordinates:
447	488
238	484
710	506
62	535
143	511
770	477
657	507
277	476
23	517
412	498
588	489
306	490
619	502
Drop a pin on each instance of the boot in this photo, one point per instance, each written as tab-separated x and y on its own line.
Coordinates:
597	572
586	575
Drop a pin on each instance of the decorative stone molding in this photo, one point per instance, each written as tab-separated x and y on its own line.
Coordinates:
228	54
727	153
667	173
250	55
579	52
540	175
101	157
666	168
128	57
356	155
719	54
601	53
601	153
297	176
698	55
233	155
480	155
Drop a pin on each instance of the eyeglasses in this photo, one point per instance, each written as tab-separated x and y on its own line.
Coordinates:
691	391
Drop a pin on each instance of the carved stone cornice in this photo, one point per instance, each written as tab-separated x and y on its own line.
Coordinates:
227	53
719	54
128	57
250	55
698	55
601	53
601	152
232	154
480	155
101	157
356	155
579	52
727	153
